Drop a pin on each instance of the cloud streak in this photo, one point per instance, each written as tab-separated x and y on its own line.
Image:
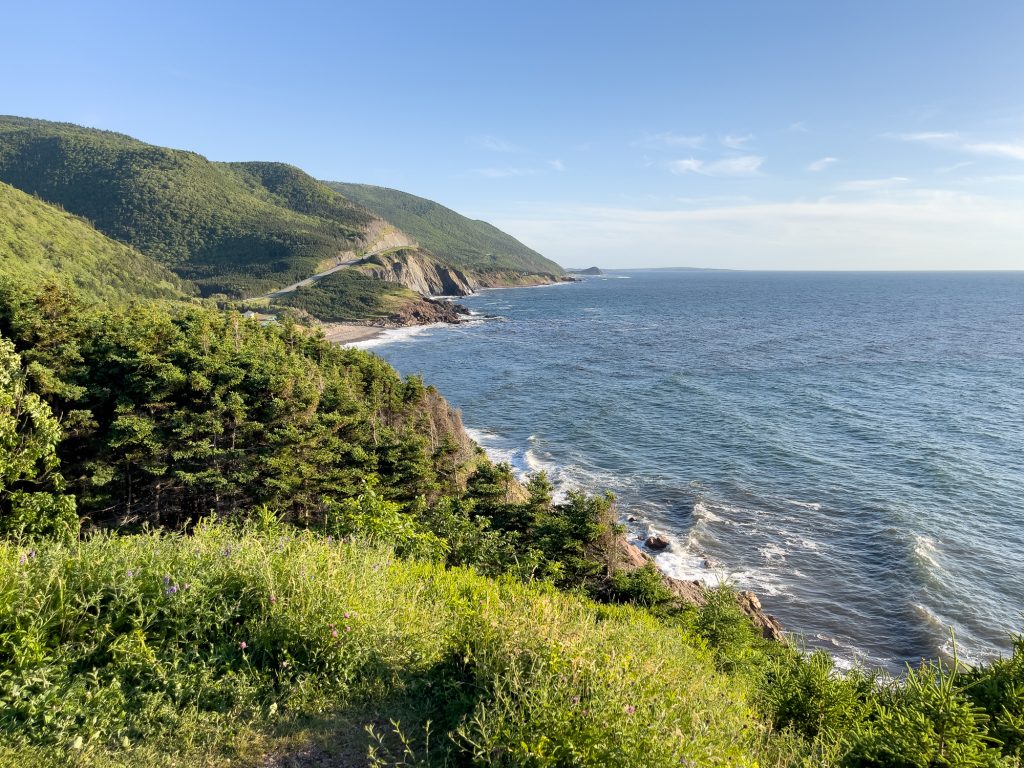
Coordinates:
735	142
914	229
1013	150
873	185
820	165
742	165
495	144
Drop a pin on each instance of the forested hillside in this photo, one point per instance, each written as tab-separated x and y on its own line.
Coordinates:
240	229
39	242
466	243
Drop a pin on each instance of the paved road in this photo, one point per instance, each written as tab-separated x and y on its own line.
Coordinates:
314	278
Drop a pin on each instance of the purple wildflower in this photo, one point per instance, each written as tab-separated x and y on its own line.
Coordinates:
347	614
348	629
171	590
630	709
243	645
131	574
167	579
334	633
22	560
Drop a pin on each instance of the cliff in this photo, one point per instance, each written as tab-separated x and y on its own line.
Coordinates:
419	271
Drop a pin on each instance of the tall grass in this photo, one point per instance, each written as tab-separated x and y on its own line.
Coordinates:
162	649
115	644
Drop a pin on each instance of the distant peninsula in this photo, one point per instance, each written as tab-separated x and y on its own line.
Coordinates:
587	271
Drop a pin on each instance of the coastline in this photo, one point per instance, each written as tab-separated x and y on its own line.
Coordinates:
630	549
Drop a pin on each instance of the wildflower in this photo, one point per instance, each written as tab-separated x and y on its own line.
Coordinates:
167	579
31	553
348	629
273	599
22	560
330	539
172	590
575	700
334	633
630	709
285	664
243	645
347	614
131	574
187	586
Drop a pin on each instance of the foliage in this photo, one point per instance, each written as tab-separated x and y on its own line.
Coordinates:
465	243
348	295
160	639
175	411
30	498
241	229
39	242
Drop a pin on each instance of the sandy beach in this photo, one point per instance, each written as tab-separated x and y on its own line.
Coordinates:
347	333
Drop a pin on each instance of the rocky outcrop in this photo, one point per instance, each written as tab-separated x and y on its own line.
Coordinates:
427	311
657	543
624	556
419	271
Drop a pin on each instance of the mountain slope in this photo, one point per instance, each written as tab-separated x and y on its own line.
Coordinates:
465	243
238	228
39	241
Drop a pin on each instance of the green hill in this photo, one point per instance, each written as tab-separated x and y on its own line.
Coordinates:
39	241
236	228
464	242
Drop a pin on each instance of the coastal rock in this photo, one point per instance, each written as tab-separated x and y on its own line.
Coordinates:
768	625
419	271
657	543
623	556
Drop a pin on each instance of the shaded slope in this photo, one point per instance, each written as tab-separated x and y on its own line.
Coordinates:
465	242
39	241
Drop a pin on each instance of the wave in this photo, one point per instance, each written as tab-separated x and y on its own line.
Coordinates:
392	335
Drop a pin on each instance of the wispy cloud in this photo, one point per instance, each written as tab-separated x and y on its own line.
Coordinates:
910	230
669	140
735	142
743	165
822	164
495	144
557	165
1013	150
873	185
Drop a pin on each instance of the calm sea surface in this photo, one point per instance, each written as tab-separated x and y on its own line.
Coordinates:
849	446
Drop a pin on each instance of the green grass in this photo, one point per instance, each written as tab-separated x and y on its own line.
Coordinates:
466	243
134	650
39	242
221	646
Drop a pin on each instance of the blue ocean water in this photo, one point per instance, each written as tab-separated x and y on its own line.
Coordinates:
849	446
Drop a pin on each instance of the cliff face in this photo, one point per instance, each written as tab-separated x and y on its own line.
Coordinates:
419	271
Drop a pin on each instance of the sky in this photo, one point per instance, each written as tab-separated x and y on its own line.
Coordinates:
745	135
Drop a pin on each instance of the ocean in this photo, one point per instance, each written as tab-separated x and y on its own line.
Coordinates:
850	446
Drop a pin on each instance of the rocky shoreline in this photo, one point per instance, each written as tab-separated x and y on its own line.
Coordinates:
626	556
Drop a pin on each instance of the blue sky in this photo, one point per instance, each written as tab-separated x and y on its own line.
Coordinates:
785	135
